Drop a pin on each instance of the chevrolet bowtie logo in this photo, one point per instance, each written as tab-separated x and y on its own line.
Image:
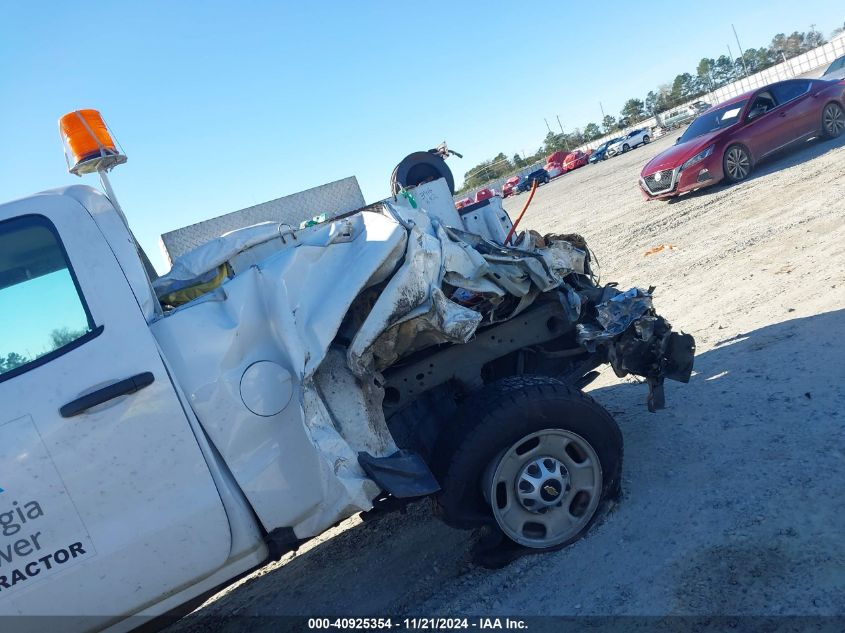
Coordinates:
549	490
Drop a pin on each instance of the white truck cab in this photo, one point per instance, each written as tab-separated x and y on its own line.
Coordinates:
125	493
153	449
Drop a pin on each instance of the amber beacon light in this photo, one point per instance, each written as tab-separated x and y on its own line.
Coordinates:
90	147
88	143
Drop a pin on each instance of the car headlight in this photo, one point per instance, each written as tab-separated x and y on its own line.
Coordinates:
698	157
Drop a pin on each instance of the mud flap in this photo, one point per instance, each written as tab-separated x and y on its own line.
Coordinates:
403	474
680	352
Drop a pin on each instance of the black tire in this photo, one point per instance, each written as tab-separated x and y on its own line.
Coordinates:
625	148
646	140
418	168
737	163
833	120
499	416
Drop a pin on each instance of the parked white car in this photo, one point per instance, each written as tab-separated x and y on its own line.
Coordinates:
631	140
554	169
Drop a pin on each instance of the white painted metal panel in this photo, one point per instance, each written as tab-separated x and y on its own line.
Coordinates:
126	480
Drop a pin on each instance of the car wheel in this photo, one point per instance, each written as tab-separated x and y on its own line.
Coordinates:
736	163
833	120
625	148
646	140
533	458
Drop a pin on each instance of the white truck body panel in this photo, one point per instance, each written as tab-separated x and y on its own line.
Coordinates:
267	330
100	481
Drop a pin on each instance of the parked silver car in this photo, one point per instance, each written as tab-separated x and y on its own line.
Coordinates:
836	70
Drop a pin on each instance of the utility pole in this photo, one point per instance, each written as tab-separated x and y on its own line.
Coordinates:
741	54
601	107
547	124
558	122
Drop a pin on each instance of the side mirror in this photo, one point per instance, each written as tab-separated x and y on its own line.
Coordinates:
755	113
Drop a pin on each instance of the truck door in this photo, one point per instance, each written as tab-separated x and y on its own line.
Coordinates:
106	502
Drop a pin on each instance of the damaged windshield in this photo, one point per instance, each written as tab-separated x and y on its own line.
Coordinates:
713	120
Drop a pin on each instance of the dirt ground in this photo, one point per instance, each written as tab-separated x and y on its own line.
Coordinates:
733	496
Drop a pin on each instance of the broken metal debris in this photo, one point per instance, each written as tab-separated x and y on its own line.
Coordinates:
412	285
616	315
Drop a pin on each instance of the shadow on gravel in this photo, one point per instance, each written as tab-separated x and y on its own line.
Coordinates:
783	159
776	391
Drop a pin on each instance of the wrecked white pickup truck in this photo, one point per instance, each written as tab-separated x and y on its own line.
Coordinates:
158	439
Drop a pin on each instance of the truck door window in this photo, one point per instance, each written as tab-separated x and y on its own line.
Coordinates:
42	311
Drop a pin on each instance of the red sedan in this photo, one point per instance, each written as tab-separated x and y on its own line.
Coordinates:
726	141
509	188
483	194
574	160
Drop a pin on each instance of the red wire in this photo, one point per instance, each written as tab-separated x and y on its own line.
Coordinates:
521	213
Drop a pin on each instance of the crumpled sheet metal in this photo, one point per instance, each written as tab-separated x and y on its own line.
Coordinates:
345	487
355	405
194	265
527	263
412	312
287	310
615	316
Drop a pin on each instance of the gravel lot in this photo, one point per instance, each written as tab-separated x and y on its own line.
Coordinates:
733	496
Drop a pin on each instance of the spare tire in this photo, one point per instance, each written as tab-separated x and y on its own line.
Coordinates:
418	168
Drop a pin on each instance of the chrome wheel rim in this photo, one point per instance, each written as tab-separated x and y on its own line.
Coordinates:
834	120
737	163
545	488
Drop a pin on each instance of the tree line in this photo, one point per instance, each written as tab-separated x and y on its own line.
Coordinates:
710	74
58	338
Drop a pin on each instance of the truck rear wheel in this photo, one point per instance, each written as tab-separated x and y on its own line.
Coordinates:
532	457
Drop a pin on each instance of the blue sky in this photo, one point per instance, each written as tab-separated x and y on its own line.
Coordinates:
29	311
222	105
